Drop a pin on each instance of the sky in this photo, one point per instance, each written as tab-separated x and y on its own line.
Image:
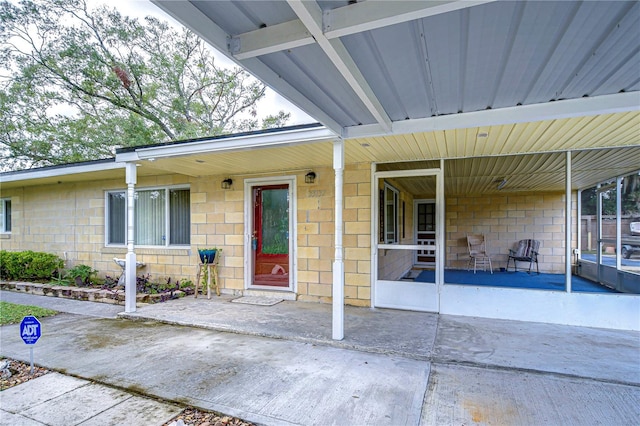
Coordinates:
270	104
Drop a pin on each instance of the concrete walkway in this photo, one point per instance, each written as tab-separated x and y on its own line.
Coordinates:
279	365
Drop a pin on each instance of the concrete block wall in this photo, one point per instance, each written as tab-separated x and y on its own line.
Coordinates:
506	219
357	234
69	220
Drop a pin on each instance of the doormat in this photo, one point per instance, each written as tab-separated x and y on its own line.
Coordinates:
257	300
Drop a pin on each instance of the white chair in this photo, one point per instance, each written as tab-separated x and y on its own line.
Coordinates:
477	246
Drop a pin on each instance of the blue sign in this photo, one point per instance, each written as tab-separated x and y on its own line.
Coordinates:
30	330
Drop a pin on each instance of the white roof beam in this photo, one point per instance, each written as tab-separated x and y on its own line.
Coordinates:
340	22
583	107
275	38
311	16
369	15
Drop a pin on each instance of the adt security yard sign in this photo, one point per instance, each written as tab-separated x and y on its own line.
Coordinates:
30	330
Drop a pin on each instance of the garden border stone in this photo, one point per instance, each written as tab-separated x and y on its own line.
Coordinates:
80	293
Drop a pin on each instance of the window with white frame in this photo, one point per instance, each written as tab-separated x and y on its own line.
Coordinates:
391	200
5	215
162	217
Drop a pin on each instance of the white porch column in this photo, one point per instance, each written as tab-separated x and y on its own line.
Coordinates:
567	222
130	269
338	263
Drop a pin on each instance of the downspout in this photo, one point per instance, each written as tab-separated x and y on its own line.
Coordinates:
567	223
338	263
130	268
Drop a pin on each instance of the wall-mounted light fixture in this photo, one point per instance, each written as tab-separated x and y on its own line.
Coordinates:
310	177
226	184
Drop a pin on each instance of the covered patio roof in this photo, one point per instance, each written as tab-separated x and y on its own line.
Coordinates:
371	68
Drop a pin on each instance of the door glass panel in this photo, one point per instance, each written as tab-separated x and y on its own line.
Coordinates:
275	221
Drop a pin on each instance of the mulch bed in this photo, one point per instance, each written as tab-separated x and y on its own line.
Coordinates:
20	373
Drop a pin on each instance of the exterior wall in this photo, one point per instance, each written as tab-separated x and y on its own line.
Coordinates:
505	219
357	234
69	220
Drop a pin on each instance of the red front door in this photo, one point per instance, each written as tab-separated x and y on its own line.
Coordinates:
270	239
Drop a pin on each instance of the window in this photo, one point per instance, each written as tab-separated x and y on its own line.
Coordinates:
5	215
162	217
391	197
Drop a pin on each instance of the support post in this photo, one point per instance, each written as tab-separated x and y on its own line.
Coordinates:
130	268
567	223
338	263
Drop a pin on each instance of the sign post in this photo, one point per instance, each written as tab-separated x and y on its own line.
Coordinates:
30	332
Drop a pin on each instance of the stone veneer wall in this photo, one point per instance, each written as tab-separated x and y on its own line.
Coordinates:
505	219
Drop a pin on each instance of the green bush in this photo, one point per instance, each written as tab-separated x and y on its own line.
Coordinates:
29	265
81	275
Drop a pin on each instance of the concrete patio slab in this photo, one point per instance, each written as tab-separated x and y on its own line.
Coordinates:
58	399
37	391
465	395
268	381
278	365
610	355
404	333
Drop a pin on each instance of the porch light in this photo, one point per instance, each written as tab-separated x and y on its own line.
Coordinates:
310	177
226	184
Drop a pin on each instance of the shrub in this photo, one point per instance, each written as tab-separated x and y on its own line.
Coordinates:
81	275
29	265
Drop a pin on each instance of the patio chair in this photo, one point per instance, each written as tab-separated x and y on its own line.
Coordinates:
527	251
477	246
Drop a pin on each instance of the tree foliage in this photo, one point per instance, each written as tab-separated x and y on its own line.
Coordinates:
82	82
630	197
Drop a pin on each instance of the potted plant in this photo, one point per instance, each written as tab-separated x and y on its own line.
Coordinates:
207	255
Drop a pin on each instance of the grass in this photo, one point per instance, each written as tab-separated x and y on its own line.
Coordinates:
10	313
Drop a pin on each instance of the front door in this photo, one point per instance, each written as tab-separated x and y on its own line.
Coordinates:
425	231
270	236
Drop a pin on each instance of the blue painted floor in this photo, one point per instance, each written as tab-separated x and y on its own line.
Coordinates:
515	280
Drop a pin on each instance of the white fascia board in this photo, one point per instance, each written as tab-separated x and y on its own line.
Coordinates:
311	16
127	157
191	17
240	143
583	107
370	15
55	171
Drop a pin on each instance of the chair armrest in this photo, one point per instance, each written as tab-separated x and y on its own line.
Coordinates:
512	252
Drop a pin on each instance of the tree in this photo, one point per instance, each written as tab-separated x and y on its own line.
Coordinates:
630	197
83	82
